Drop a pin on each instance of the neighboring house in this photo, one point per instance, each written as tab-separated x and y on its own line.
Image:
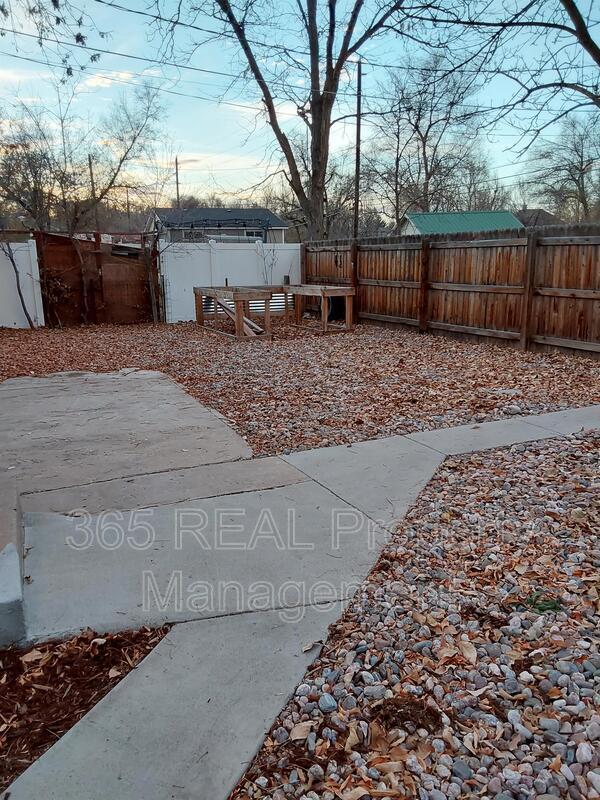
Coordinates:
428	223
221	224
537	218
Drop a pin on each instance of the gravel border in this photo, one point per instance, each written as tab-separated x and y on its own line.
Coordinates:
468	663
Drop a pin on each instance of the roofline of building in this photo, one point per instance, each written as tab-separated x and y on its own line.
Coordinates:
208	223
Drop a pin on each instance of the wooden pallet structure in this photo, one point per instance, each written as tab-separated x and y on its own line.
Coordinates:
240	296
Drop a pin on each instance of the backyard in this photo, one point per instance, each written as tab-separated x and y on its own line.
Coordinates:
466	664
305	391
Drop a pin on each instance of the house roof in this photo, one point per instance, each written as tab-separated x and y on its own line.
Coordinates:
219	217
535	217
463	221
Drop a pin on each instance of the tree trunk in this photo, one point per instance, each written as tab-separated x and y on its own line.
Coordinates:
7	249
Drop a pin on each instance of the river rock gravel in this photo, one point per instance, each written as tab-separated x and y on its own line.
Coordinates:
303	390
479	627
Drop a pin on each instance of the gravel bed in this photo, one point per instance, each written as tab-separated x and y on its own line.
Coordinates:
304	390
467	664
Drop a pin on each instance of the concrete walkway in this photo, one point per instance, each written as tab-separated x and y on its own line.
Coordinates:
141	506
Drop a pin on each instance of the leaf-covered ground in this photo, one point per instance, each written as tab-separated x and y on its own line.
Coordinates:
467	664
304	390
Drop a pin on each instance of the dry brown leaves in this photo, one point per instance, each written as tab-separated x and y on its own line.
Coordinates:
46	689
304	390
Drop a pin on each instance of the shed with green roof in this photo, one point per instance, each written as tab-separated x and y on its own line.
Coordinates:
440	222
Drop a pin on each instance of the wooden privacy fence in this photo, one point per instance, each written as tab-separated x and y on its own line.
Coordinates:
537	286
87	281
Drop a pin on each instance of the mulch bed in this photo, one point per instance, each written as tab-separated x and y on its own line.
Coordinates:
46	689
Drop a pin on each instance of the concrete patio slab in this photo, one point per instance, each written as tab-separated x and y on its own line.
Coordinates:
381	477
72	429
484	436
254	550
187	721
170	486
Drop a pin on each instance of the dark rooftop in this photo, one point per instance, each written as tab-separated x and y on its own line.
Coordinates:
536	217
219	217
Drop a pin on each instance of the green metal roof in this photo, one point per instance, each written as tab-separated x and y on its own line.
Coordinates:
463	221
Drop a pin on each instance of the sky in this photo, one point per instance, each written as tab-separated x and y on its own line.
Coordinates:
221	138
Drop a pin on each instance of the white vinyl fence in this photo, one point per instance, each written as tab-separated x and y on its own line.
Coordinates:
11	310
184	266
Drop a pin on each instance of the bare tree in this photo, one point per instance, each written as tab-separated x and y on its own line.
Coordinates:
425	153
45	169
479	189
547	49
568	180
212	200
298	53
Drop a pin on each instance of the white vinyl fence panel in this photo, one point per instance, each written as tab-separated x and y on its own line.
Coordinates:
11	310
185	265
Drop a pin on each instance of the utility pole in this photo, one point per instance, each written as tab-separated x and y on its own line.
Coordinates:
357	159
177	180
93	185
128	209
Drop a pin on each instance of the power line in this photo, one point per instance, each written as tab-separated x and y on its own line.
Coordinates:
285	48
234	76
191	26
110	76
113	79
209	170
117	53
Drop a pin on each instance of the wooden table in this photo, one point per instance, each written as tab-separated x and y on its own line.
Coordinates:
301	291
240	296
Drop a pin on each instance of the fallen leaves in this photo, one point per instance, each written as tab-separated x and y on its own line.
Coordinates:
305	391
468	650
31	656
300	731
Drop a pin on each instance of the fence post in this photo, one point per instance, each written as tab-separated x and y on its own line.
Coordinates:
528	287
354	276
424	288
302	264
97	283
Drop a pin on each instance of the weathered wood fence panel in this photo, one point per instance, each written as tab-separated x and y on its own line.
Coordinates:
83	281
531	286
566	301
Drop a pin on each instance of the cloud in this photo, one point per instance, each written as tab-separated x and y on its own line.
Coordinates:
107	79
218	162
10	75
